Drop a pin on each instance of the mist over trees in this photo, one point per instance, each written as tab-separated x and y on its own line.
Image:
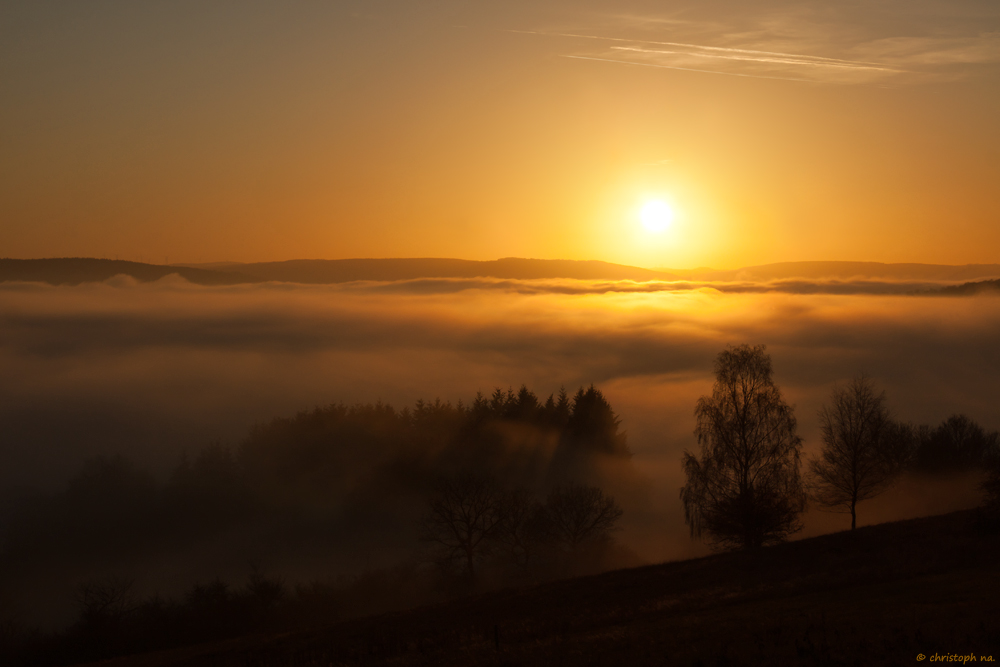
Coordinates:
331	492
745	489
314	457
364	508
329	469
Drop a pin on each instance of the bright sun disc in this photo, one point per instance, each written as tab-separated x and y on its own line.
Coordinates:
656	216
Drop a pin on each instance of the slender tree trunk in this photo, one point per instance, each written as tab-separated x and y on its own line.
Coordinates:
854	516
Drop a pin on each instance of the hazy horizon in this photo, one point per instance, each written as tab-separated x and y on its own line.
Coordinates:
258	351
804	264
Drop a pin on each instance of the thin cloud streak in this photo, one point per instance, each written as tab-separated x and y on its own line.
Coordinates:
789	60
982	49
687	69
822	69
794	58
864	56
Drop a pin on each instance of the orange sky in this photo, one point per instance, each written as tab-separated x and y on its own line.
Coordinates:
207	131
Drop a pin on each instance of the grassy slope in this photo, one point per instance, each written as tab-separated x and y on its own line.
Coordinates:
879	596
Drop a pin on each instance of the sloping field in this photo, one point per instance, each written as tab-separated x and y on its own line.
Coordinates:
883	595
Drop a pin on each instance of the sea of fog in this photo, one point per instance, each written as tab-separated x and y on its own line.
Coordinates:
153	370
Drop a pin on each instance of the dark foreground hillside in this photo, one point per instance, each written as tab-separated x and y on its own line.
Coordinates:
883	595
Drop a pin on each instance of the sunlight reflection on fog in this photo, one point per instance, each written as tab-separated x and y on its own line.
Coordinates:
153	369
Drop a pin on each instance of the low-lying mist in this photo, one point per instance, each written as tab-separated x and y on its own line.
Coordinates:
158	371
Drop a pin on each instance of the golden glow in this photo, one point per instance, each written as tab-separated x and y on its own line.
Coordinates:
656	216
353	147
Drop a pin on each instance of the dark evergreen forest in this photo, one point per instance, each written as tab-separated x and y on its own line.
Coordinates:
325	508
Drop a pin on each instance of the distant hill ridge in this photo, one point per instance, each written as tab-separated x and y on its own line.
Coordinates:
73	271
838	270
76	270
346	270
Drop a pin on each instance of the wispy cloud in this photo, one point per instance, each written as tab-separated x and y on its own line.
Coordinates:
742	62
929	51
686	69
796	44
747	55
730	53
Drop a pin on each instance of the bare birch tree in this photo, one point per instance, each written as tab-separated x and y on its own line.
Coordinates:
745	489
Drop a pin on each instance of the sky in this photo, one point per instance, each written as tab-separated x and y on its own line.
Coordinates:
257	131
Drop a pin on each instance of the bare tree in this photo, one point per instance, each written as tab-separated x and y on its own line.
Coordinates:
105	603
862	448
465	514
521	529
264	591
745	489
580	514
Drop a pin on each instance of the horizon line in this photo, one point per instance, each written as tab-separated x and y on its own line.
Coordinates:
657	269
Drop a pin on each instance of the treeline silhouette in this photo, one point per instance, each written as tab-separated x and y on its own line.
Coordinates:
350	461
958	443
745	488
359	479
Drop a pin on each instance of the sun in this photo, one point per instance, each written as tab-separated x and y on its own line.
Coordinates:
656	215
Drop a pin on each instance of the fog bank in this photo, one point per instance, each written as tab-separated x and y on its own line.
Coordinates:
151	370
